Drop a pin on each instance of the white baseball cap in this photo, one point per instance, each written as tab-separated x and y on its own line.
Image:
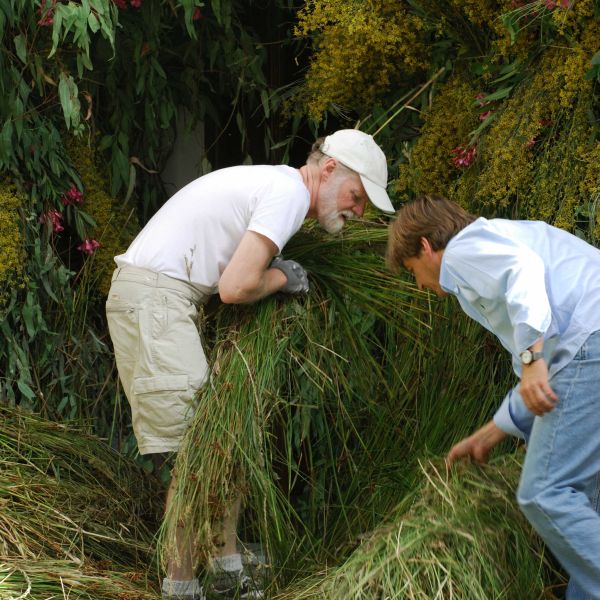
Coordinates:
359	151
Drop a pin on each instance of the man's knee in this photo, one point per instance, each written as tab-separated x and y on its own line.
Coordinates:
551	503
534	500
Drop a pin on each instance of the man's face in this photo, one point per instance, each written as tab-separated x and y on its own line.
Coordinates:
426	269
342	196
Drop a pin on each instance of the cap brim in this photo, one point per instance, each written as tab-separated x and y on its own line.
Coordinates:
377	195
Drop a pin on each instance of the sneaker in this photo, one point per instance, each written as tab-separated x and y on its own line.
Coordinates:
252	554
255	563
237	585
182	590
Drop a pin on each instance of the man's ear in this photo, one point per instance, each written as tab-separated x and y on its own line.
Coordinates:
426	246
327	168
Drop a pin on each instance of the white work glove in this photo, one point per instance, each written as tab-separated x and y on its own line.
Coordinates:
297	279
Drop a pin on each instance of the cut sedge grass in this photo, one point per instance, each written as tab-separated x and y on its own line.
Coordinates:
56	580
319	407
277	354
74	514
459	535
68	494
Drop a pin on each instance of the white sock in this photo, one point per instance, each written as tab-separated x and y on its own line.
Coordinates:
232	562
189	587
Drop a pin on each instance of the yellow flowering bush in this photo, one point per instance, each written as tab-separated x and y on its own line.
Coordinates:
115	225
575	18
362	49
554	194
536	159
446	125
589	189
540	114
12	254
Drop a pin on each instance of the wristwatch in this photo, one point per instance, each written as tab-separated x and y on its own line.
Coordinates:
527	356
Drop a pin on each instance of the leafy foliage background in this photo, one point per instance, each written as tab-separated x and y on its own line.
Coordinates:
493	103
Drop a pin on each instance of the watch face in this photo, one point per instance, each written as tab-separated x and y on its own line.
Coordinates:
526	357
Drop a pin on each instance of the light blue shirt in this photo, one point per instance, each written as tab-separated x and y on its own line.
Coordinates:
523	280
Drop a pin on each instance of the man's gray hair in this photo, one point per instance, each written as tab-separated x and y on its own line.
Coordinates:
316	155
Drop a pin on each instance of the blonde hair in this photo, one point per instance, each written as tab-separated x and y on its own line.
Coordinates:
428	216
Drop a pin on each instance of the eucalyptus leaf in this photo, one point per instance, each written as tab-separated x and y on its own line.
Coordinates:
25	389
21	47
6	147
68	95
28	315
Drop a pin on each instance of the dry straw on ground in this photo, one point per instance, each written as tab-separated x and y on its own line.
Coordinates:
76	518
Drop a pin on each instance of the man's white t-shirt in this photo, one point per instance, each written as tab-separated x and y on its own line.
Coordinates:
195	233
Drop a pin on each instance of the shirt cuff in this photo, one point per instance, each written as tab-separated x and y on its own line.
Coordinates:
513	417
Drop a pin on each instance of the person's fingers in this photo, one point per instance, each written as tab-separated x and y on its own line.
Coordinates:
541	406
458	451
452	456
549	394
539	398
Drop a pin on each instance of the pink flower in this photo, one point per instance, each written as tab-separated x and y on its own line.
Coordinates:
485	114
54	217
480	97
121	4
89	246
530	143
545	122
464	156
46	13
197	14
135	3
72	196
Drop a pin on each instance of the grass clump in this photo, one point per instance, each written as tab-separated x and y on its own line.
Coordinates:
53	580
459	535
75	516
319	407
284	370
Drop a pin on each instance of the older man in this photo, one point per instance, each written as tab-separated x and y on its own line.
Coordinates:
223	233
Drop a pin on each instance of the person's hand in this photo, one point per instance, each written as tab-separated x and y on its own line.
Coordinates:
477	446
537	394
297	279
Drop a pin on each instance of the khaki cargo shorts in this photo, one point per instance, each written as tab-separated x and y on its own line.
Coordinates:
153	324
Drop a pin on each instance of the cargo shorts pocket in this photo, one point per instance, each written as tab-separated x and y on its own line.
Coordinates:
165	403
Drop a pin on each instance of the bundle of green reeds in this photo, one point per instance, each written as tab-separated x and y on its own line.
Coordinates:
73	512
319	407
275	363
459	535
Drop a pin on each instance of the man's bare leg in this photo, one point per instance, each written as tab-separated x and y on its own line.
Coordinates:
181	581
181	566
228	529
229	575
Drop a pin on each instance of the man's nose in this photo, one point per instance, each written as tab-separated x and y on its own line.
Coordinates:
359	209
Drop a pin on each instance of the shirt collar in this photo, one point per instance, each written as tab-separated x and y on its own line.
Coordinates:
447	282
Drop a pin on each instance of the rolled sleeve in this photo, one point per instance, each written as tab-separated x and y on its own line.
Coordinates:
513	417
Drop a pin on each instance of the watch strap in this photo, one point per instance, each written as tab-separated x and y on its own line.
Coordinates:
528	356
